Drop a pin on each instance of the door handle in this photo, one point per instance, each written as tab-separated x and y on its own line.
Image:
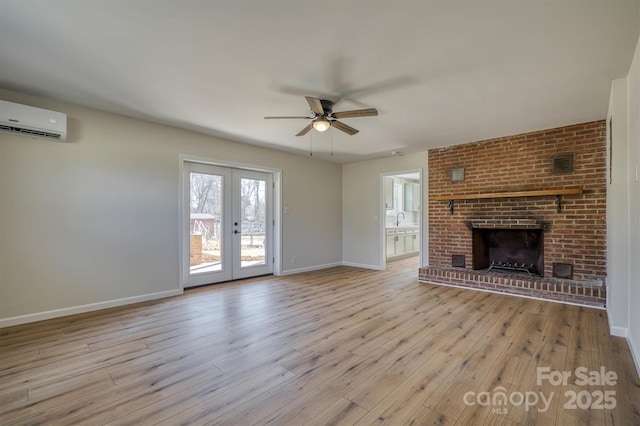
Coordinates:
235	231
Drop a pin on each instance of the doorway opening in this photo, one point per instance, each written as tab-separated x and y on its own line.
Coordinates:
402	215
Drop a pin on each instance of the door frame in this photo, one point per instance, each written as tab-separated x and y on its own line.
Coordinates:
277	204
383	215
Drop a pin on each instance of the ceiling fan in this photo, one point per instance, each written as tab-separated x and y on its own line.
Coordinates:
323	116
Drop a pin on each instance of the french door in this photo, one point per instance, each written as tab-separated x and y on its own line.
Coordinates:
227	224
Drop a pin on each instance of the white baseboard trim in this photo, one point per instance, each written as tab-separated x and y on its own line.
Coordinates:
310	268
39	316
363	266
330	265
619	331
635	353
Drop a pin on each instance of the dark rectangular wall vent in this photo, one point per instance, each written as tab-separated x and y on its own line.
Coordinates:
563	270
458	261
562	164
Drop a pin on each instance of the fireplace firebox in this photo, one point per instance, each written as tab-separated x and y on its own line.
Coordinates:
512	250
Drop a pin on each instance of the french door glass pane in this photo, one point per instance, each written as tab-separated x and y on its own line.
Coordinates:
205	223
253	210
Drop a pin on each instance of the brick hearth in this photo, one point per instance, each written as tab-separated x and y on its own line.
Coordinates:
589	293
575	235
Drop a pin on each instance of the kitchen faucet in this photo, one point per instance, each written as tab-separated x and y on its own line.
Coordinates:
398	218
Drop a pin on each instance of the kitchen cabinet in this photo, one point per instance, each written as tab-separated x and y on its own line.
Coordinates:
411	197
402	241
400	245
388	193
411	242
391	245
395	242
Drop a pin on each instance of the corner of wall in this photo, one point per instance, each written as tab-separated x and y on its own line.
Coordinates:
634	347
633	297
617	210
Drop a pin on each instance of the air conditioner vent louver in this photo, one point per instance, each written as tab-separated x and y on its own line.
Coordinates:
29	132
29	121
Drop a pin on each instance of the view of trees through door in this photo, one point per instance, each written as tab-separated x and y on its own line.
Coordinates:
253	219
207	215
229	213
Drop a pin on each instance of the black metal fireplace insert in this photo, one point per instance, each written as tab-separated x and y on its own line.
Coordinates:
511	250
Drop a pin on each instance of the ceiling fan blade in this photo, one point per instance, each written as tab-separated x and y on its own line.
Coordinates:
341	126
315	105
305	130
286	117
367	112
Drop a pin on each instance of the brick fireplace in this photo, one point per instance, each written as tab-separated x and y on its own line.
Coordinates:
494	201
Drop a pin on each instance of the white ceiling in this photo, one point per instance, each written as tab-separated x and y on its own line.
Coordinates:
440	73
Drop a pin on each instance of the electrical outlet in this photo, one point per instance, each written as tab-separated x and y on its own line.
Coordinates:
293	259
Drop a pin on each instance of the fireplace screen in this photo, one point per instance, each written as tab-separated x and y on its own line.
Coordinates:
519	250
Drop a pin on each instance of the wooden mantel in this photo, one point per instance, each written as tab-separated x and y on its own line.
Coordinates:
512	194
557	192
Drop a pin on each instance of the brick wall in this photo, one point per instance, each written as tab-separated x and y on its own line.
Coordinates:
576	235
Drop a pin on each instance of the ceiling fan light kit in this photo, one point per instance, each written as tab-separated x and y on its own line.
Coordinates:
323	116
321	124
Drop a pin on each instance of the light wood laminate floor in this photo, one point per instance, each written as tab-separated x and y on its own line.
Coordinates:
338	346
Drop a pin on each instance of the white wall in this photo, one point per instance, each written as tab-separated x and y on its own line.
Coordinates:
94	222
633	99
618	211
623	210
362	207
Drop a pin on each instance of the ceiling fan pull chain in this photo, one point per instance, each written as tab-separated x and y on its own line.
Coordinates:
311	144
332	142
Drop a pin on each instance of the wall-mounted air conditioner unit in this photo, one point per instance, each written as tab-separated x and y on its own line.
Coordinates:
33	122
